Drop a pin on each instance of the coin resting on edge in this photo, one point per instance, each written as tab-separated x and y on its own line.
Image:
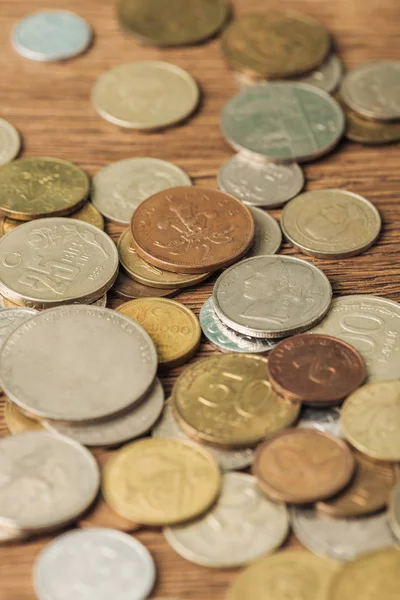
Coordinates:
128	289
267	233
17	421
10	142
145	95
192	230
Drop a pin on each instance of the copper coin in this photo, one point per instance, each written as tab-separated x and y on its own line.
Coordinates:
302	466
192	230
128	289
315	369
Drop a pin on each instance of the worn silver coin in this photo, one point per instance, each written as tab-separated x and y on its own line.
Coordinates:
11	318
94	564
10	142
77	363
242	526
272	296
394	511
267	233
323	419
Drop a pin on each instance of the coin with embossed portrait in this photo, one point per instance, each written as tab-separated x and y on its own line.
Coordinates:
10	142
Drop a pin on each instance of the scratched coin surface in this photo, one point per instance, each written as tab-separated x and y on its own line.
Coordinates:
119	188
192	230
267	234
241	527
95	564
394	511
56	261
17	421
161	481
260	183
283	121
145	95
303	465
366	131
10	142
228	400
322	418
129	289
45	480
271	296
331	223
77	363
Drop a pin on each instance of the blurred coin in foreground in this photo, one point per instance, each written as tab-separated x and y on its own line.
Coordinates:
10	142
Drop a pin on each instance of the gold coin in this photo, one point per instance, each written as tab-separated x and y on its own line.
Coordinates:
17	421
161	481
173	328
31	188
147	274
287	575
228	400
370	420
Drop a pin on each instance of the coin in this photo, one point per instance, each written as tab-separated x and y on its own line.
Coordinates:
161	481
47	480
331	223
119	188
322	419
128	289
285	575
145	95
11	534
77	363
241	527
267	233
10	142
192	230
10	319
260	183
184	23
370	420
394	511
228	400
41	187
372	326
101	562
372	90
228	460
6	303
283	121
271	296
315	369
302	465
101	301
89	214
17	421
56	261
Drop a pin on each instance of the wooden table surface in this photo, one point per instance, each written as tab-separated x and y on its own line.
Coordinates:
50	105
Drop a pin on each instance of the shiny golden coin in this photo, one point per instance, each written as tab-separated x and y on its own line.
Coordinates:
31	188
228	400
174	329
161	481
370	420
17	421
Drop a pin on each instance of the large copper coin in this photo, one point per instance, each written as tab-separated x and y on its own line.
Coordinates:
315	369
192	230
302	466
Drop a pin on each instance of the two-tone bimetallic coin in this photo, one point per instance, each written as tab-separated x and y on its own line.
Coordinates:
10	142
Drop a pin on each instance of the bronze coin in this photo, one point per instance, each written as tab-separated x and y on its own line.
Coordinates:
315	369
302	466
128	289
192	230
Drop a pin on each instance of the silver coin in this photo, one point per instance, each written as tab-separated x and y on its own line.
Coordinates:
372	326
119	188
46	480
267	234
373	90
342	539
394	511
242	526
51	35
283	121
101	301
228	460
94	564
272	296
323	419
258	182
11	318
10	142
118	429
77	363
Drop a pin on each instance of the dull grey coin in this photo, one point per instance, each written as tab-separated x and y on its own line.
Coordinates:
323	419
10	142
94	564
267	233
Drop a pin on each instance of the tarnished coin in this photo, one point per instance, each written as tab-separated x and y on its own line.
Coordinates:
89	214
173	327
46	480
145	95
119	188
128	289
260	183
17	421
10	142
56	261
77	363
241	527
331	223
192	230
161	481
283	121
394	511
267	234
272	296
99	563
228	400
322	418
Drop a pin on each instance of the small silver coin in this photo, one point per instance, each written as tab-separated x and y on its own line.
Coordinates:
267	234
51	35
94	564
323	419
258	182
10	142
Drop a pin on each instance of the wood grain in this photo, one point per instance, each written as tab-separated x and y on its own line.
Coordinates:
50	105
